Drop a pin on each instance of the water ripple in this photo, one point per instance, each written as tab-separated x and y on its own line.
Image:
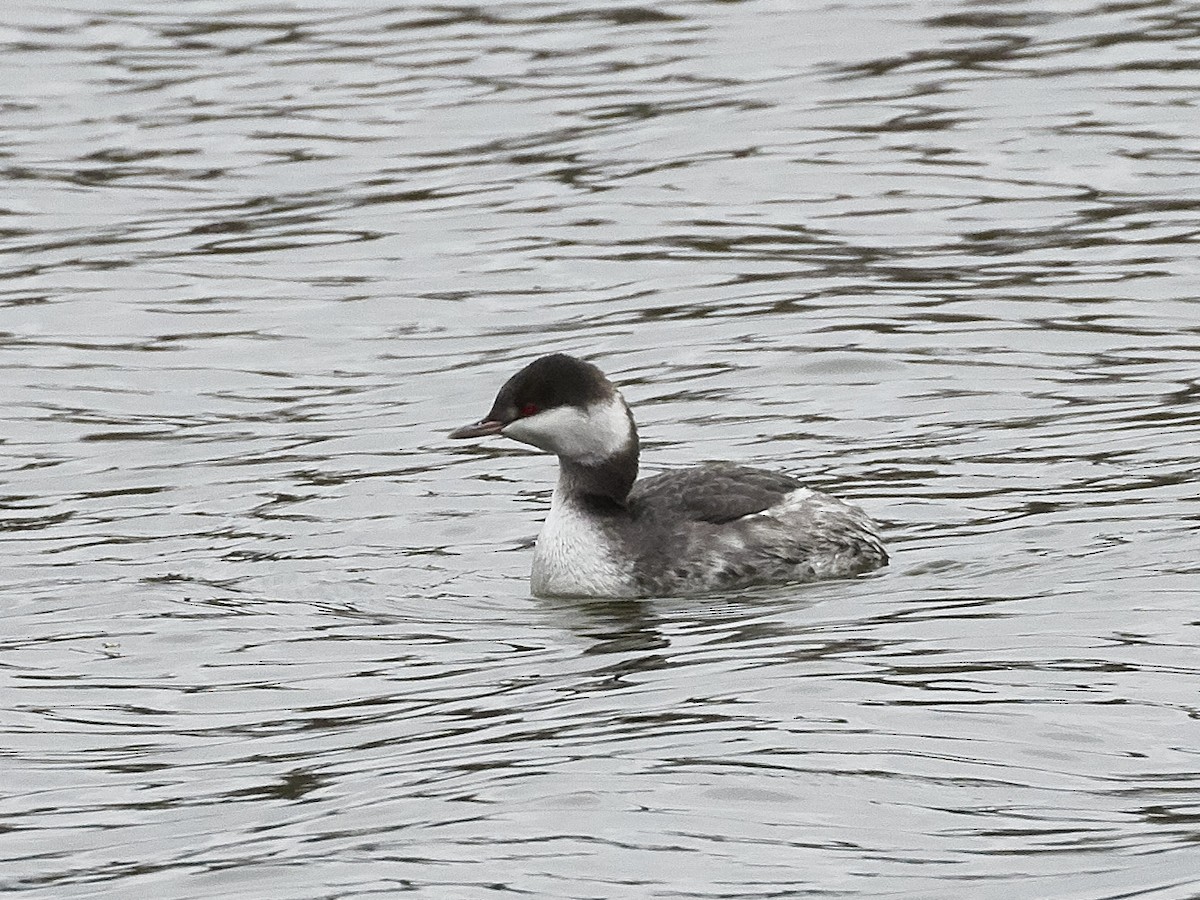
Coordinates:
266	633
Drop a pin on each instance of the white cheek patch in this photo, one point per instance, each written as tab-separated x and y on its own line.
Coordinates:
544	428
589	435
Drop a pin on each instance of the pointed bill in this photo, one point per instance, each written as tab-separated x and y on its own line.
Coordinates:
482	428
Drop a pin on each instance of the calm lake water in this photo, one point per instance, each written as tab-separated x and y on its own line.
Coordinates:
267	633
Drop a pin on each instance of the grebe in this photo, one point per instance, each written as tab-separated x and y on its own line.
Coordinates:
704	528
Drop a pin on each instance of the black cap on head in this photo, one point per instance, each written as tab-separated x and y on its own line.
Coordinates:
547	382
557	380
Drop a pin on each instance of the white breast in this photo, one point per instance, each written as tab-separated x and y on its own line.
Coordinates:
573	557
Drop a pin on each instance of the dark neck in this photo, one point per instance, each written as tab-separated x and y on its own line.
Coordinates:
602	486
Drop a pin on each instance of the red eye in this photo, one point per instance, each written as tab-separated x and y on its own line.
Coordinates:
529	409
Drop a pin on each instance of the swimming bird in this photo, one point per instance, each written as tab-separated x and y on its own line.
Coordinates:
710	527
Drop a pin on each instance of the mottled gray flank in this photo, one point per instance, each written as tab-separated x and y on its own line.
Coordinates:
714	493
721	526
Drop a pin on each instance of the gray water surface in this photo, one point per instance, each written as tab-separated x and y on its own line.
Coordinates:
267	633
